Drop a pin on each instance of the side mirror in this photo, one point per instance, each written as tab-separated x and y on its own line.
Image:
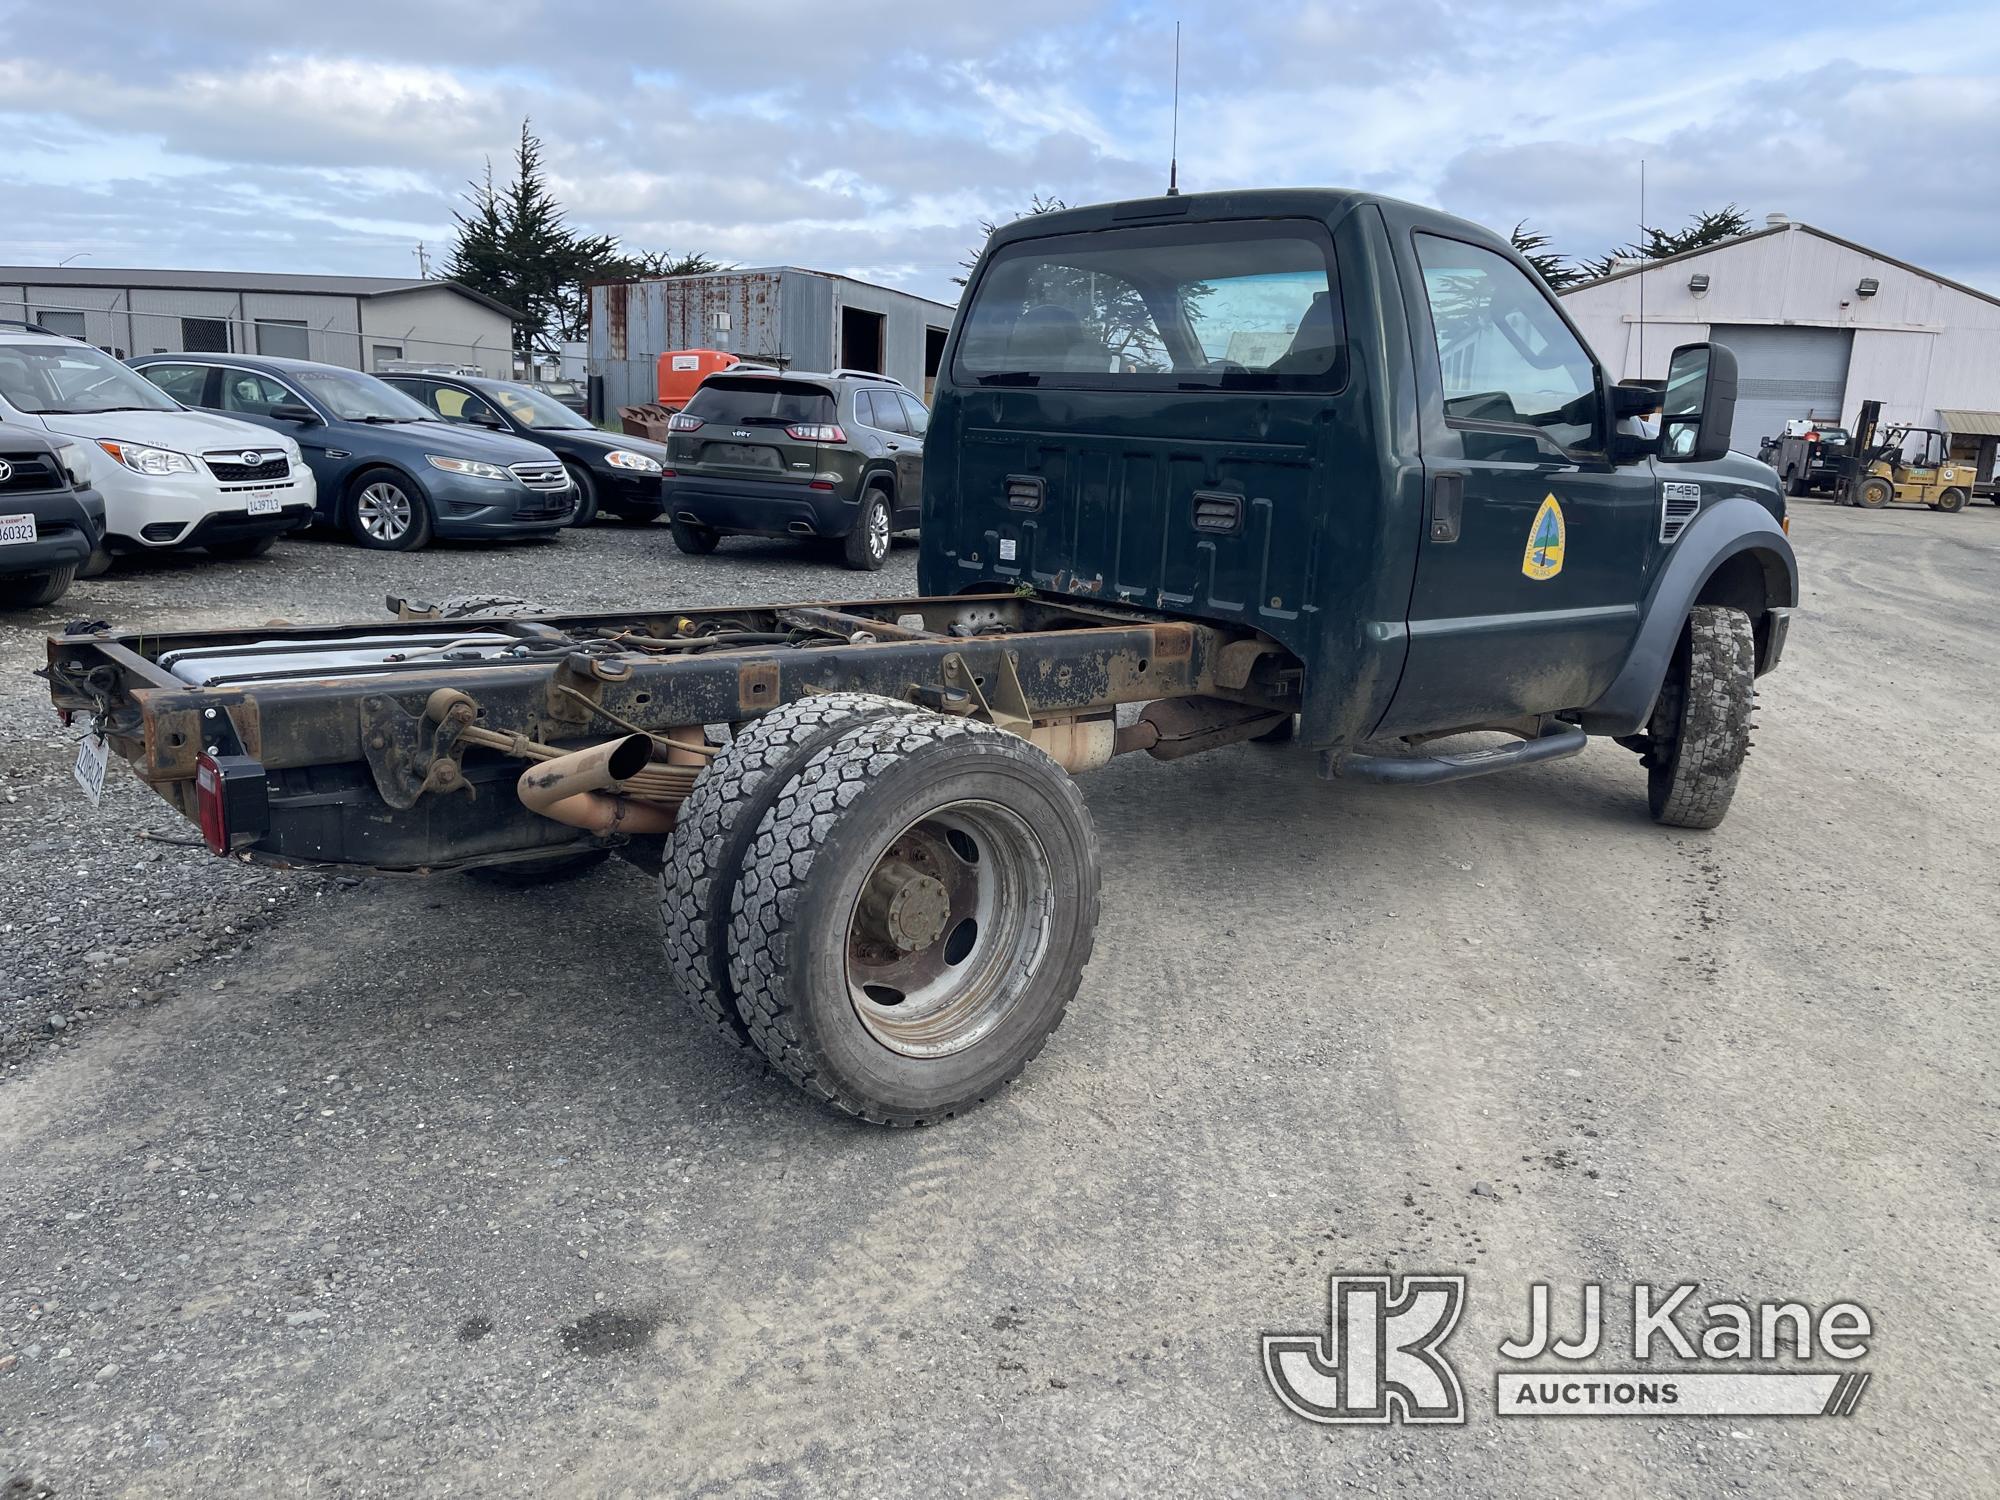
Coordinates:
293	411
1699	404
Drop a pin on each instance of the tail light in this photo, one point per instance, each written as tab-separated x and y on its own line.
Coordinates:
232	802
680	421
816	432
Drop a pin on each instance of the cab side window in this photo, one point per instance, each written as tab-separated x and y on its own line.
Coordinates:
888	412
184	383
252	394
456	405
913	412
1505	354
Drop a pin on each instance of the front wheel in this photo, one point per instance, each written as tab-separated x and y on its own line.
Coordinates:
36	590
586	496
1700	729
914	916
387	514
867	546
1876	492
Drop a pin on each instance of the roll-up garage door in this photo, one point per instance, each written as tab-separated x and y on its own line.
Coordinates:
1782	373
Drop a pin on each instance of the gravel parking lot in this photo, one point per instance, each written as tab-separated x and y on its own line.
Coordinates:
314	1185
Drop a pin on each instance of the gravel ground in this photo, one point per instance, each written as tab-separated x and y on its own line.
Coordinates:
409	1187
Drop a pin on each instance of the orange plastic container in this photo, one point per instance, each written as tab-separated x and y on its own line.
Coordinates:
681	370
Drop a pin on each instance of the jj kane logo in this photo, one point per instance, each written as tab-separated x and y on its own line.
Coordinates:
1382	1356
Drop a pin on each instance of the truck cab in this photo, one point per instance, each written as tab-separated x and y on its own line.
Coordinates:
1364	429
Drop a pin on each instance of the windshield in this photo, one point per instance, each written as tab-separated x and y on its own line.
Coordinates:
56	379
355	397
1197	307
759	399
531	408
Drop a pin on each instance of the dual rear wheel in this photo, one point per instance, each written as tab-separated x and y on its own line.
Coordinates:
893	906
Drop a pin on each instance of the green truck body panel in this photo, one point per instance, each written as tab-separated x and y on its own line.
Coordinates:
1384	539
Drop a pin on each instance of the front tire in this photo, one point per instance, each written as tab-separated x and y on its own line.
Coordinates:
1875	493
914	916
867	545
586	495
386	513
36	590
695	541
1700	729
715	826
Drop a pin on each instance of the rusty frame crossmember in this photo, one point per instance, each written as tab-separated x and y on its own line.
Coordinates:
1018	661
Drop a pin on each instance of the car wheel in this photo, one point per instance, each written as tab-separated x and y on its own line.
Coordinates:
868	543
97	564
387	514
1700	729
586	495
695	541
242	547
35	590
1876	492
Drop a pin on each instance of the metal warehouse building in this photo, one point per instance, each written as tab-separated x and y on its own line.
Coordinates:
777	315
1818	324
363	322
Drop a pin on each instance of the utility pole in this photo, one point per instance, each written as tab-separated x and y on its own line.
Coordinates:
423	261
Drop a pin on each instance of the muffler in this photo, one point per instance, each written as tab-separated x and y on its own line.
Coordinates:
580	788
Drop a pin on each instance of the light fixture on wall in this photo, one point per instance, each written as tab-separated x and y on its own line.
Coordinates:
1869	287
1698	283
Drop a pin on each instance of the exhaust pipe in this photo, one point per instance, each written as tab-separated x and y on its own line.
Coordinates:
579	788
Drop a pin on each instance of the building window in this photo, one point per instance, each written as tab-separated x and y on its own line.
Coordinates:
69	324
381	356
205	335
282	338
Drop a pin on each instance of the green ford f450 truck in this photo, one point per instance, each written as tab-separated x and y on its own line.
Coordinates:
1251	465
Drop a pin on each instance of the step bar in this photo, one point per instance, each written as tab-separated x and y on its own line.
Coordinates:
1555	742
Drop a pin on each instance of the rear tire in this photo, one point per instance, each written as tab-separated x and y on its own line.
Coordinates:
243	548
695	541
715	825
36	590
914	916
867	545
1952	501
1700	729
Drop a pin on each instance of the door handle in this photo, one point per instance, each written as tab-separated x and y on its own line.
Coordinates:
1447	507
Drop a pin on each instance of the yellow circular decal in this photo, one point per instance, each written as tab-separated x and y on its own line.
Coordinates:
1544	557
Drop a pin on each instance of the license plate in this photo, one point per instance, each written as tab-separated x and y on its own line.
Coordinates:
264	505
743	455
17	529
92	756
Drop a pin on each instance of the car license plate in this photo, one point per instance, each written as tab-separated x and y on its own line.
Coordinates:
743	455
92	756
263	505
17	529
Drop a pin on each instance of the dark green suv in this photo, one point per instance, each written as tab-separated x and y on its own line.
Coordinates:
789	454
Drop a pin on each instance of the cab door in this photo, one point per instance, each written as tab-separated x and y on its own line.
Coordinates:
1536	547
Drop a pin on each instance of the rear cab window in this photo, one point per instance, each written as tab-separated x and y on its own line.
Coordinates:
1249	306
759	400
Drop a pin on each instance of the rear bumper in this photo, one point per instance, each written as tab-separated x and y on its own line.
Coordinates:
748	507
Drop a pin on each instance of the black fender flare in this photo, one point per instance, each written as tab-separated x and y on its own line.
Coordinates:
1726	529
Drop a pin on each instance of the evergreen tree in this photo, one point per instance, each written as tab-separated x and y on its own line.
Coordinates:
1702	230
1551	267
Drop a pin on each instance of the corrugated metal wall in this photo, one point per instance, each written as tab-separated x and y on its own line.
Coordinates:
785	317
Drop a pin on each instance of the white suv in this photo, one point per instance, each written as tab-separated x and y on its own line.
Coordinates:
170	477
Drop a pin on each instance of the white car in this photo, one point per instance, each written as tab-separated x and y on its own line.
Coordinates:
170	477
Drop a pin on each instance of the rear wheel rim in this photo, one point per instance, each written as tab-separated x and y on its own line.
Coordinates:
385	512
878	530
947	927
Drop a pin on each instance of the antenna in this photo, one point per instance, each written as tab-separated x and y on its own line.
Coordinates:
1642	268
1174	151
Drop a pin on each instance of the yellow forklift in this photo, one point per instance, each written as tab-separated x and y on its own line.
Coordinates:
1906	465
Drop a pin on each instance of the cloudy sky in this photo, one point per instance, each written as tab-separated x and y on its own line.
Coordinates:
872	136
